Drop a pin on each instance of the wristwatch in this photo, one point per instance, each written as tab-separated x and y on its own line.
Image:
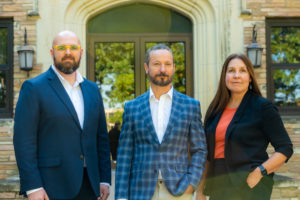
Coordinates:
263	170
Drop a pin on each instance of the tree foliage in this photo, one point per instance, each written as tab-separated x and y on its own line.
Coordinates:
285	45
114	71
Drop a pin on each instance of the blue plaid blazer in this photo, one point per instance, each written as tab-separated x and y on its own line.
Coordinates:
141	156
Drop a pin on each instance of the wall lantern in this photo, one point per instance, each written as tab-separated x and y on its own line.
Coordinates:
26	55
254	51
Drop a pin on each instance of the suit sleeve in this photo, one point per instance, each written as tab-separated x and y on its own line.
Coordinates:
273	127
25	137
103	146
198	149
124	157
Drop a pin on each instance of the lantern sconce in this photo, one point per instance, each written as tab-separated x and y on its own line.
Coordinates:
254	51
26	56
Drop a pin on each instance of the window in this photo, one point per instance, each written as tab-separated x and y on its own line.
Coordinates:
6	68
283	64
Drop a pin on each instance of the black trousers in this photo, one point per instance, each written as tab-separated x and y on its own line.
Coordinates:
223	188
86	191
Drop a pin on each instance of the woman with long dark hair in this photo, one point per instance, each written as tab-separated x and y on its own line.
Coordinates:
239	125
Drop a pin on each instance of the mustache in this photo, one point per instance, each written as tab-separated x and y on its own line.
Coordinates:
68	56
162	74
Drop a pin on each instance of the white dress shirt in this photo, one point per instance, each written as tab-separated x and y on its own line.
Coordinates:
75	93
160	112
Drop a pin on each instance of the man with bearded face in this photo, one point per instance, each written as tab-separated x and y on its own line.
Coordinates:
162	146
60	136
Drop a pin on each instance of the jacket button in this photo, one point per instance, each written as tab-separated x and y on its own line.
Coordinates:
81	156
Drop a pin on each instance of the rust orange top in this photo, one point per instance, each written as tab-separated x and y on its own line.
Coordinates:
225	119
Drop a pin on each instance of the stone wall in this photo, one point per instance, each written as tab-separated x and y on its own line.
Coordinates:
20	11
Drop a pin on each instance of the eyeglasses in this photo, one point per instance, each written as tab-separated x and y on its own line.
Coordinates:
65	47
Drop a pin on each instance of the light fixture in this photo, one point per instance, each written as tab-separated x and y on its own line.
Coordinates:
26	55
254	51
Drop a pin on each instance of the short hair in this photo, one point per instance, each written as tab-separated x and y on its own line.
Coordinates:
154	48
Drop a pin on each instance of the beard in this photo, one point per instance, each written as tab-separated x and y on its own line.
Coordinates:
160	81
67	67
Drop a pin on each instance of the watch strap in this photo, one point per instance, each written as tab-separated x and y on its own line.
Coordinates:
263	170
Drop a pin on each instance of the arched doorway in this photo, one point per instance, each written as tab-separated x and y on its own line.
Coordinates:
116	42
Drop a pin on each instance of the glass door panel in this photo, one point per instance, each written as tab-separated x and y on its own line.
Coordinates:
115	76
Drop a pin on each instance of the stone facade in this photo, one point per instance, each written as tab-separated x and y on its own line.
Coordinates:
17	10
221	27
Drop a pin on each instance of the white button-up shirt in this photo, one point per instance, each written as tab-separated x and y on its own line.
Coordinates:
75	93
160	112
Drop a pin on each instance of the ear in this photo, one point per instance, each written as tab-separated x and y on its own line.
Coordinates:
52	52
146	68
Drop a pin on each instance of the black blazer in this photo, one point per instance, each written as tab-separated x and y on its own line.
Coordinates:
255	124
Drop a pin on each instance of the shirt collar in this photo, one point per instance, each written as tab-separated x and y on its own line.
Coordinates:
79	78
169	93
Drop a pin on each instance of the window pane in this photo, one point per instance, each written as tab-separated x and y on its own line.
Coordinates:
285	44
3	46
178	49
2	89
287	87
114	75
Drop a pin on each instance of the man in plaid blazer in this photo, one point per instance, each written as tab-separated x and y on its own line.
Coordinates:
162	146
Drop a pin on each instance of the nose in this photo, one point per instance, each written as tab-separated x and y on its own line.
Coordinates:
162	68
236	74
68	51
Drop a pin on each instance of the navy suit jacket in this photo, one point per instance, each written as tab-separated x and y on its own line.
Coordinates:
50	145
141	156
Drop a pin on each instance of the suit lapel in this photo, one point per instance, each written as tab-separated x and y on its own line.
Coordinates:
62	94
146	112
237	115
176	109
86	100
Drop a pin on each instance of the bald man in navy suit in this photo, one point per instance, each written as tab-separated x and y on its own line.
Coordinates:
60	135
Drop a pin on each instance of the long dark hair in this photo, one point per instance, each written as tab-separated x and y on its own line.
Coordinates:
222	96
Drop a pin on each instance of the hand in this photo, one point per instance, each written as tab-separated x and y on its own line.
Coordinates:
254	178
38	195
189	190
104	192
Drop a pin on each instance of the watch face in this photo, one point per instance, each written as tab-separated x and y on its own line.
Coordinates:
263	170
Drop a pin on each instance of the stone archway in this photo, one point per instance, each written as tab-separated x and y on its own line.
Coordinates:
207	55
